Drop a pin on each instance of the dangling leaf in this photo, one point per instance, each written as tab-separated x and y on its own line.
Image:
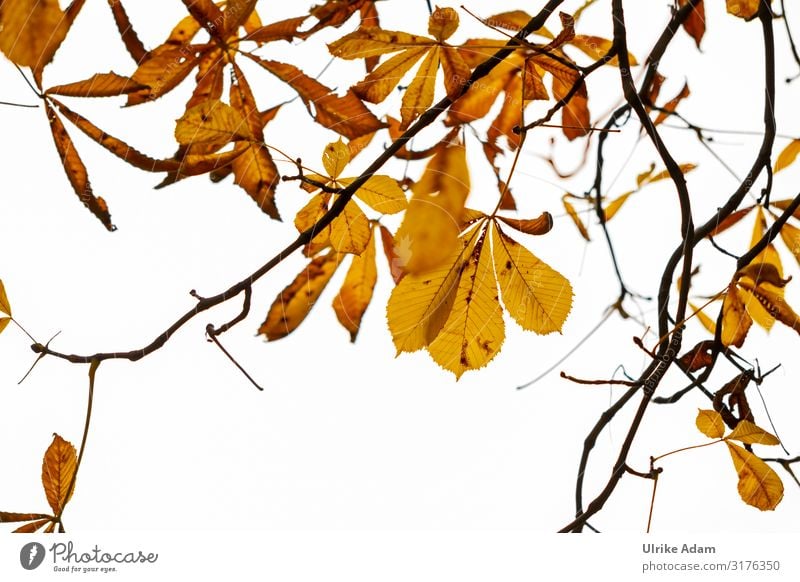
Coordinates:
356	293
58	471
735	320
759	485
294	303
787	156
695	23
575	218
710	423
537	226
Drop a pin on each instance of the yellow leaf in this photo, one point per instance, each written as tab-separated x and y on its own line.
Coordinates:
335	157
370	42
419	94
759	485
356	292
58	470
211	122
614	206
308	216
710	423
791	238
455	69
750	434
735	320
420	305
381	193
479	98
350	231
431	223
442	23
163	70
537	297
4	321
379	83
538	226
747	9
575	218
5	306
664	174
705	320
787	156
294	303
474	331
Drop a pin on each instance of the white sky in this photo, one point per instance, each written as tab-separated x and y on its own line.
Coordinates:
348	436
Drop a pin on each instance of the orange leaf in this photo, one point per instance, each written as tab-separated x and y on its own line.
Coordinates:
791	238
356	293
787	156
236	13
672	104
129	37
294	303
9	517
163	70
736	321
75	170
710	423
575	114
281	30
32	527
392	254
442	23
541	225
747	9
207	14
730	220
98	85
58	471
371	42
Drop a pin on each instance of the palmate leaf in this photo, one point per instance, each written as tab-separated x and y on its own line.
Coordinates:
98	85
454	309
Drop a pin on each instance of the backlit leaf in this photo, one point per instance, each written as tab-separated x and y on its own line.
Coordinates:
281	30
597	47
759	485
431	223
75	170
672	104
4	321
787	156
58	470
381	81
538	226
442	23
710	423
695	23
773	302
5	306
791	238
356	292
211	122
750	434
575	114
255	171
419	94
735	320
98	85
335	157
575	218
370	42
535	295
747	9
704	319
129	37
294	303
381	193
33	526
474	331
163	70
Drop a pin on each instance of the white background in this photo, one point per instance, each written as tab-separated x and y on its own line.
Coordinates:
348	437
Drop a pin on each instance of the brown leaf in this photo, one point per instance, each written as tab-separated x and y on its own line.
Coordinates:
163	70
255	171
8	517
672	104
346	115
541	225
208	15
698	357
281	30
32	527
294	303
58	471
730	220
130	39
75	170
236	14
695	23
575	114
98	85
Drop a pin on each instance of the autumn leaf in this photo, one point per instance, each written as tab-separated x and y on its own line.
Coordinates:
58	471
537	297
787	156
573	214
773	303
474	331
791	238
750	434
9	517
695	23
33	526
75	170
431	223
161	71
670	106
127	33
294	303
5	307
98	85
32	30
537	226
759	485
710	423
356	293
747	9
213	123
735	320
